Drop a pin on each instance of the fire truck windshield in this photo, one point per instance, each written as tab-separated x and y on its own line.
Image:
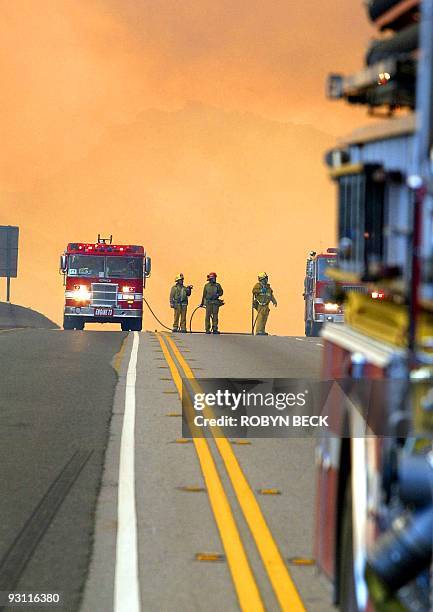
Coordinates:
86	265
105	267
322	264
124	267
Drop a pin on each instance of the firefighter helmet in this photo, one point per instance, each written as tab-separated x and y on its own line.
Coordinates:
179	277
212	275
262	275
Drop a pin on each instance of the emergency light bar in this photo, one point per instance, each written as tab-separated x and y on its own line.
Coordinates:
99	248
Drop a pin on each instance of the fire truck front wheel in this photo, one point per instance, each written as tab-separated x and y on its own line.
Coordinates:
312	328
132	325
72	323
315	328
136	325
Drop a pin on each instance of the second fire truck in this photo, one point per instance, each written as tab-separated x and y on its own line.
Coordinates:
319	308
322	303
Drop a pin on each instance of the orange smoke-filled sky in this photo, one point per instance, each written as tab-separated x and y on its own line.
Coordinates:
196	128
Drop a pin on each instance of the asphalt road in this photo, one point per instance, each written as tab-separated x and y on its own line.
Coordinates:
205	537
56	398
176	507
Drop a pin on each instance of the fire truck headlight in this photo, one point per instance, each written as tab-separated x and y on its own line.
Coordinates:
331	307
82	294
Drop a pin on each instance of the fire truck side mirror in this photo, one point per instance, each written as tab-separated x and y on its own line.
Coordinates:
147	266
63	264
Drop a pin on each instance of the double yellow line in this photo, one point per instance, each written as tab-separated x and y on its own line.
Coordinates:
242	575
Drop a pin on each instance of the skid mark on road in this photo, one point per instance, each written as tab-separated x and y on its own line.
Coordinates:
15	560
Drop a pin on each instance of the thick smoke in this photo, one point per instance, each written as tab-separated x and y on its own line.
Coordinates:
99	135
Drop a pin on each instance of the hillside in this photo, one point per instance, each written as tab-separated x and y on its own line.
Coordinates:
12	316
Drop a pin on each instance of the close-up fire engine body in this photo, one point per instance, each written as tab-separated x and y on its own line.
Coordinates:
104	283
374	514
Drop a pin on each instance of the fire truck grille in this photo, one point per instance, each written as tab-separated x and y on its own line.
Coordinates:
104	294
355	288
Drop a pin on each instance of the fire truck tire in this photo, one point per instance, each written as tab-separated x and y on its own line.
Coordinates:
132	325
315	328
347	594
68	323
135	325
138	325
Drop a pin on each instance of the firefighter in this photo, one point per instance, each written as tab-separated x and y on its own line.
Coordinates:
211	301
179	302
262	296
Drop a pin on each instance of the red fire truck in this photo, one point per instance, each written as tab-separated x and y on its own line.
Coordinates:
319	308
323	295
104	284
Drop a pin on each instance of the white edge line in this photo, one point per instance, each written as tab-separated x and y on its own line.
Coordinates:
126	581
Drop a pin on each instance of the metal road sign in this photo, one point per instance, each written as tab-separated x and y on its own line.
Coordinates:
8	251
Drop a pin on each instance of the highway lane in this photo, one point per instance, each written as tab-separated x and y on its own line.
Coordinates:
183	508
56	398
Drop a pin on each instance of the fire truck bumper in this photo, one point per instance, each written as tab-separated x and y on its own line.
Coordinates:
329	318
101	314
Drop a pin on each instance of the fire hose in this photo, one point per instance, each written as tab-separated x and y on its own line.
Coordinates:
191	318
154	315
253	322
